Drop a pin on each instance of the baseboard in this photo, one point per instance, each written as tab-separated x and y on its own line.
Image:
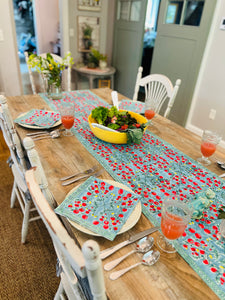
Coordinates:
199	132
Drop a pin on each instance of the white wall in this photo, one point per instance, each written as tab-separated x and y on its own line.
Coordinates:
10	81
46	15
210	88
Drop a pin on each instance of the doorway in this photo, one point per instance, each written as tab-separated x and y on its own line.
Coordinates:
149	35
25	35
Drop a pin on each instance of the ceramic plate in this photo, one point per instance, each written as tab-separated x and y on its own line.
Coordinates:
131	221
38	127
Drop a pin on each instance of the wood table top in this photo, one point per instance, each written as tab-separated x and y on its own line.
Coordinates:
171	277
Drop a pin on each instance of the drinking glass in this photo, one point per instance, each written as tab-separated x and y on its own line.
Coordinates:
209	142
67	117
150	108
176	214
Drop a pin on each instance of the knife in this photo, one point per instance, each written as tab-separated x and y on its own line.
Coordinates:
107	252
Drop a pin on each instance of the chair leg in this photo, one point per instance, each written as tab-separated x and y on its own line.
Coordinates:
13	195
60	291
25	222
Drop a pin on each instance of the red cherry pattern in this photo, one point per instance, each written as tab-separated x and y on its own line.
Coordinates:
39	117
103	213
154	170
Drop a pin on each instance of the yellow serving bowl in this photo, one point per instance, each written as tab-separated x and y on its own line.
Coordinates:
114	137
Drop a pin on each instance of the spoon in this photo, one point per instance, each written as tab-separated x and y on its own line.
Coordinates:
52	136
144	245
103	127
221	164
40	133
149	259
114	95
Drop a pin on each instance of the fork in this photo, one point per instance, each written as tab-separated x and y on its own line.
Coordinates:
88	171
83	176
45	132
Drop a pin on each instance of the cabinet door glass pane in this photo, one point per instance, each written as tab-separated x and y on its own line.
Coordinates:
174	11
135	11
123	11
193	13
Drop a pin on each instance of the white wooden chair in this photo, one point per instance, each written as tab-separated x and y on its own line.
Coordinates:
66	75
73	263
158	88
19	163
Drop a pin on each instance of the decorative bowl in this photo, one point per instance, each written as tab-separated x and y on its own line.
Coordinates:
114	137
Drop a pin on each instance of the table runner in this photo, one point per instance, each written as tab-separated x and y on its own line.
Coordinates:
155	169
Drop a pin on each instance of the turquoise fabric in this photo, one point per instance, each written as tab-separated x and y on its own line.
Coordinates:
38	117
154	170
99	207
135	106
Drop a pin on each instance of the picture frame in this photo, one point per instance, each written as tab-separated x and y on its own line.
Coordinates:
87	40
91	5
171	14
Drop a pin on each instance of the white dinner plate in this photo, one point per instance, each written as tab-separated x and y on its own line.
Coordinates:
38	127
131	221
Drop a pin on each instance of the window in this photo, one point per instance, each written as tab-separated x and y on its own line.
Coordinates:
184	12
193	13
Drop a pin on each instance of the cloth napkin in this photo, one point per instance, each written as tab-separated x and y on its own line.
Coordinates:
135	106
99	207
38	117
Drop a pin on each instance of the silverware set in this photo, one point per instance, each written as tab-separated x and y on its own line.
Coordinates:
143	245
78	176
39	135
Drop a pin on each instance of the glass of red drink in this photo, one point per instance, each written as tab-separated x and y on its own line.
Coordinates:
150	108
175	216
209	142
67	117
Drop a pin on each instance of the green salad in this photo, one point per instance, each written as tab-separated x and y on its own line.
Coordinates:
121	121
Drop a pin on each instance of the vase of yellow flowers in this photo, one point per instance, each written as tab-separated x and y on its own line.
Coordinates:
51	72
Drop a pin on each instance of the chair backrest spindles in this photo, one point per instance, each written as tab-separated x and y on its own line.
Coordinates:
30	74
39	171
86	263
158	88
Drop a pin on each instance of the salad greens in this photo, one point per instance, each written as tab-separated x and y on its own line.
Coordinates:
121	121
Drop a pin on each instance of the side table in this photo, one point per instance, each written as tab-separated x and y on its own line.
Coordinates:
92	74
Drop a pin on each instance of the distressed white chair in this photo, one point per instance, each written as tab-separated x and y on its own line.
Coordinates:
66	74
19	163
158	88
73	263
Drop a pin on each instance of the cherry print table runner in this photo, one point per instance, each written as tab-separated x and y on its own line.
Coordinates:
99	206
38	117
135	106
155	169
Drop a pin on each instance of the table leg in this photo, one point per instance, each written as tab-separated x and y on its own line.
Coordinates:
91	81
112	82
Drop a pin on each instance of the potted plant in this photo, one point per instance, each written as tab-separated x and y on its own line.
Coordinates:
87	32
97	59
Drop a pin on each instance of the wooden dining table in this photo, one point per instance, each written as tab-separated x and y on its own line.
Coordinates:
171	277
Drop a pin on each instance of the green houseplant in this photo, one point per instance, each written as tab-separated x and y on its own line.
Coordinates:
87	32
95	57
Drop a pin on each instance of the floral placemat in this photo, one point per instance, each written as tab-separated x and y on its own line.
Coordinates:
38	117
99	206
155	169
135	106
